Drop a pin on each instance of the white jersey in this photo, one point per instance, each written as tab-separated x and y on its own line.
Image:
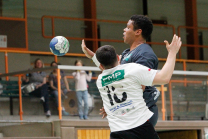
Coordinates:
122	95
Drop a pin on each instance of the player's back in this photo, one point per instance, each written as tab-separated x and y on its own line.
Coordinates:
122	95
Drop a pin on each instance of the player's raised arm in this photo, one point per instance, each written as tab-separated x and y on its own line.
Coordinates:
87	51
90	54
164	76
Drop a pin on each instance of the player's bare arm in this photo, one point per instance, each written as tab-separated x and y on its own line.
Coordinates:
164	76
90	54
87	51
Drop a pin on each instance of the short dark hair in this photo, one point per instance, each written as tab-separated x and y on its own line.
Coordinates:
144	23
107	56
78	60
55	63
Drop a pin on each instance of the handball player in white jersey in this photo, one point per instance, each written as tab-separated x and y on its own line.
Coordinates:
135	34
121	90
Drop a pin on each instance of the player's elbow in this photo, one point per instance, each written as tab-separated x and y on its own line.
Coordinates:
166	81
161	81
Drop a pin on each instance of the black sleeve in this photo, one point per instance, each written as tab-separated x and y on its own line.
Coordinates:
146	59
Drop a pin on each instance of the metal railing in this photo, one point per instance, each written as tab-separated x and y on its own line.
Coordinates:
191	45
94	30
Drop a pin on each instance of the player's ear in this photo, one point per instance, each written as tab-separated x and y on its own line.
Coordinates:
118	58
101	66
138	32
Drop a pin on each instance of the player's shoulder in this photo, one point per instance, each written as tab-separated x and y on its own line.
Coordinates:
128	65
98	82
136	65
144	48
125	51
131	66
100	76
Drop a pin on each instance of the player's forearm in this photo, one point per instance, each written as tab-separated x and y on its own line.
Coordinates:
97	63
87	51
164	76
91	53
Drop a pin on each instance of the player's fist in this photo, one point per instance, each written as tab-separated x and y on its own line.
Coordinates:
103	113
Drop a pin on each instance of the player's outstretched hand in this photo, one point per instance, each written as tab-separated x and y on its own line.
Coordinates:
103	113
87	51
175	44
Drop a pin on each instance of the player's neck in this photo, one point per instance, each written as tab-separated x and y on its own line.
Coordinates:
136	44
110	67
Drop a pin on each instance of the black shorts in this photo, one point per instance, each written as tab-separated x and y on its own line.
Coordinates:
154	118
145	131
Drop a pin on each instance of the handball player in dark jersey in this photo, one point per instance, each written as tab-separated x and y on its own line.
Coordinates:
138	29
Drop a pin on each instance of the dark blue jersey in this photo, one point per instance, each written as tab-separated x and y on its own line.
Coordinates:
144	55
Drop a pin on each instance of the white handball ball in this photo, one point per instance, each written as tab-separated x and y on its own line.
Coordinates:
59	45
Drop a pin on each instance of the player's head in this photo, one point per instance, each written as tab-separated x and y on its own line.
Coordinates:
144	23
78	63
38	63
138	25
107	56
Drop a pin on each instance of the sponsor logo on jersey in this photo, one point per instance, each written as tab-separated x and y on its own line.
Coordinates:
121	106
116	76
126	58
